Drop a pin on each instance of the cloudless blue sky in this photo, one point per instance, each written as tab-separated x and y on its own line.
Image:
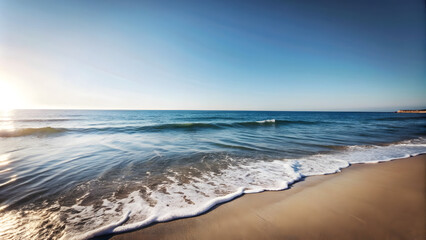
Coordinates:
230	55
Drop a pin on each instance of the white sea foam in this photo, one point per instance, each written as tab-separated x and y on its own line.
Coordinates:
266	121
202	193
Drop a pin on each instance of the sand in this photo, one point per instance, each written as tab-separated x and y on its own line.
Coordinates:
365	201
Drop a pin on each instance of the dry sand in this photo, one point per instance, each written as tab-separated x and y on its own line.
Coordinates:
365	201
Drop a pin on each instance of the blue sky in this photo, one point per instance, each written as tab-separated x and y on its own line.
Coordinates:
228	55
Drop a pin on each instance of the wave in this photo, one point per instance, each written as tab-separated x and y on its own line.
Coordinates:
267	121
206	118
218	125
162	212
150	128
44	131
280	122
195	126
37	120
201	193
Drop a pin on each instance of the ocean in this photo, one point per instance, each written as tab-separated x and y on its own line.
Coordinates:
77	174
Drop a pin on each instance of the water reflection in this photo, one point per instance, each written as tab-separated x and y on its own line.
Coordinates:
37	224
12	179
8	223
5	170
4	160
6	120
4	180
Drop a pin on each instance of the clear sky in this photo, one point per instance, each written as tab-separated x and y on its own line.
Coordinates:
229	55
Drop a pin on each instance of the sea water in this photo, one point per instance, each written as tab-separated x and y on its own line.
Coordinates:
75	174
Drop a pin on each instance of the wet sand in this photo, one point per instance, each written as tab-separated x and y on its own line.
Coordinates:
365	201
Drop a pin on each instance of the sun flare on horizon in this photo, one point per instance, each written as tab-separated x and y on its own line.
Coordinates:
10	98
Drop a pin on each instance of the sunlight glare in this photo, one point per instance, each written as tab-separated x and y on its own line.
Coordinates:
6	120
9	97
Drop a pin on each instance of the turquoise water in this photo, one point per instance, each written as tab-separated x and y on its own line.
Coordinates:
79	174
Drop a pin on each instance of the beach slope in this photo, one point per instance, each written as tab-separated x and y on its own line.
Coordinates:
365	201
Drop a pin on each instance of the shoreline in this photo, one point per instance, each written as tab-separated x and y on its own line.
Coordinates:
357	203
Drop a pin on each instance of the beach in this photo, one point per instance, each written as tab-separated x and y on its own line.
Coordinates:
202	120
79	174
365	201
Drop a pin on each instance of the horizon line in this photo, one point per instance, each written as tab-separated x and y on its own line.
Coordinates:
212	110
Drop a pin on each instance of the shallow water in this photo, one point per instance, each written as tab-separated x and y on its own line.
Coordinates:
78	174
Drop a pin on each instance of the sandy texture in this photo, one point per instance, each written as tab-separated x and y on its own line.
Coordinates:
365	201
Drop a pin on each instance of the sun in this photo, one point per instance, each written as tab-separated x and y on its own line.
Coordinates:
9	96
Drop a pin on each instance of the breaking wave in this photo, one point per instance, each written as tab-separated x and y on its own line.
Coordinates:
191	126
175	199
44	131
